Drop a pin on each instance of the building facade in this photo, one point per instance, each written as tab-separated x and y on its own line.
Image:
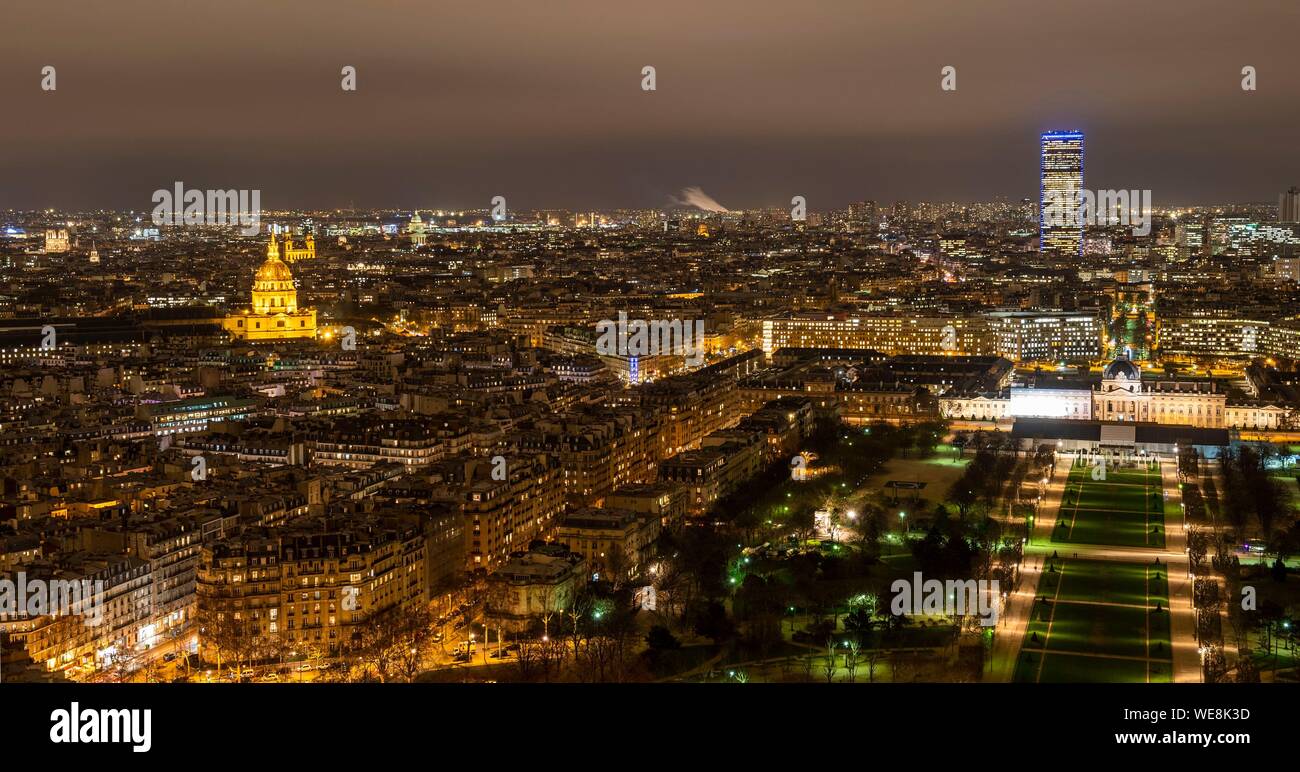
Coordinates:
1060	180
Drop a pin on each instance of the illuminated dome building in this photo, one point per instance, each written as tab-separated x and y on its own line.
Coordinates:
416	231
274	313
1121	394
1121	369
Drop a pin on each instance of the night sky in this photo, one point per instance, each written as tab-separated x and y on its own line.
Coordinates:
541	102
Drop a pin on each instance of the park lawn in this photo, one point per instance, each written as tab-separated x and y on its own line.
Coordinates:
1117	631
1123	475
1126	498
1069	668
1097	622
1135	477
1159	638
1111	527
1279	659
1106	581
1123	514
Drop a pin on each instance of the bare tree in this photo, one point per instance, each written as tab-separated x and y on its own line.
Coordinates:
232	636
396	643
873	659
851	658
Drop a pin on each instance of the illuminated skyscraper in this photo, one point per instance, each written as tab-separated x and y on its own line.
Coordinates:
1061	175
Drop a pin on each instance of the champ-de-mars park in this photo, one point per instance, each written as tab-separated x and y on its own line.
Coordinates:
940	553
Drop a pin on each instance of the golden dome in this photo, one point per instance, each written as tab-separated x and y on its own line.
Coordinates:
273	269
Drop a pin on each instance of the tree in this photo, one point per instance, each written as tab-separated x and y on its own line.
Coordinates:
711	621
860	622
873	659
661	639
851	658
526	658
396	642
413	640
963	495
231	636
764	633
802	522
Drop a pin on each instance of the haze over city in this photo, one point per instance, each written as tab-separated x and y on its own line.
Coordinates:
756	102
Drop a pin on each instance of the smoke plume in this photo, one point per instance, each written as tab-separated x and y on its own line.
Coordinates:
694	196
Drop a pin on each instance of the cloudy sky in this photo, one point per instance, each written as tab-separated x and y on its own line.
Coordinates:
756	100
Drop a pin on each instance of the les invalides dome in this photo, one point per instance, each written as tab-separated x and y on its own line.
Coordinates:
274	312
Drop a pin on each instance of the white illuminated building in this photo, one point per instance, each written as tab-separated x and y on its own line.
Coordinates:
1119	395
1050	403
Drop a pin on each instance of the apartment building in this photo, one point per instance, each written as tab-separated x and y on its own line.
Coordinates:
312	585
505	515
616	543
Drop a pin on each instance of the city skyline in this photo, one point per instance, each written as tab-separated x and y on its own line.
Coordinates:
360	355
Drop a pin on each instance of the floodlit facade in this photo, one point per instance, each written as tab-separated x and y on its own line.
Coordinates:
1061	179
1021	336
274	313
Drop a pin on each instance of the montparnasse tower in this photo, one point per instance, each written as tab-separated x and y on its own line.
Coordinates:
274	313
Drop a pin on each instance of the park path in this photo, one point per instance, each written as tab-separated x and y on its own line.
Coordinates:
1015	617
1182	630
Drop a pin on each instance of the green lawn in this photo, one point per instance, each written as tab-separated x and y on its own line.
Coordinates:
1126	509
1101	581
1068	668
1097	621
